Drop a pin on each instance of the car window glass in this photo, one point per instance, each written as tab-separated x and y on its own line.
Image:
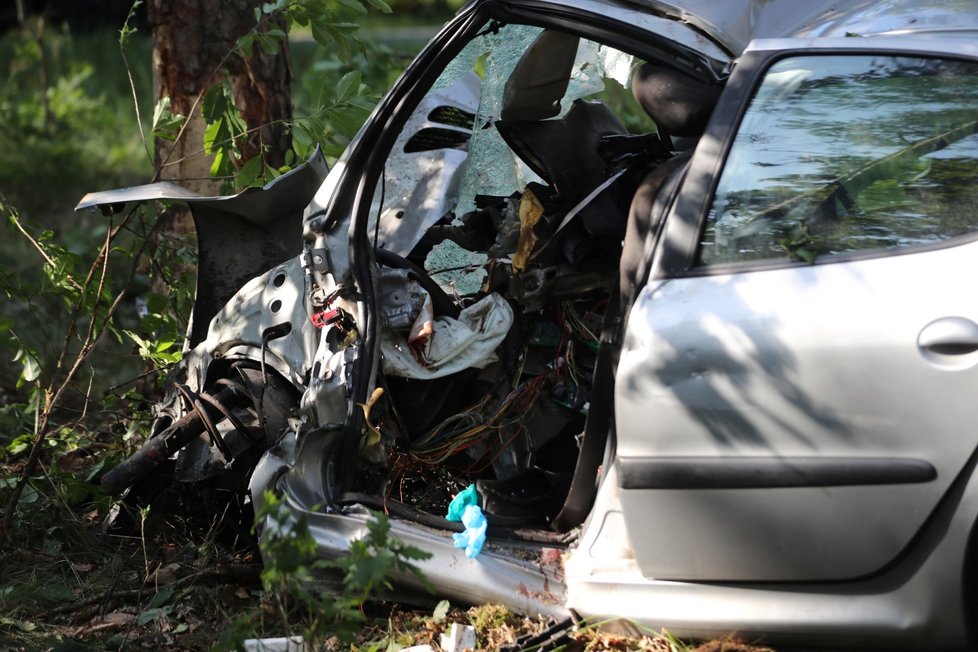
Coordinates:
450	151
840	154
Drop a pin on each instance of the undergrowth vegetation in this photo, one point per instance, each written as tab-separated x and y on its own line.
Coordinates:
95	311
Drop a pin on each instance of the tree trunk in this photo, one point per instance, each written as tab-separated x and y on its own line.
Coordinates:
194	50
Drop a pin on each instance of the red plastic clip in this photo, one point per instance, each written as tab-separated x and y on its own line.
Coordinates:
326	317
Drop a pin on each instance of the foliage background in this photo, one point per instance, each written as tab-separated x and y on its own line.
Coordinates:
68	126
86	327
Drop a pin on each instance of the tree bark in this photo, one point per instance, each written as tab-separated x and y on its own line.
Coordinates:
194	50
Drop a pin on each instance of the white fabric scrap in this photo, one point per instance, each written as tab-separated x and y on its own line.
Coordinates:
454	344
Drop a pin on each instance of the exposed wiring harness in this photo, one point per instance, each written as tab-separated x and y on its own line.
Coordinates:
506	419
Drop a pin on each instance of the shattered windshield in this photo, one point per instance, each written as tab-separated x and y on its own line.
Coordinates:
839	154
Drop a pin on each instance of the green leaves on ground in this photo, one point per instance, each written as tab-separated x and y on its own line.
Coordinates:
292	564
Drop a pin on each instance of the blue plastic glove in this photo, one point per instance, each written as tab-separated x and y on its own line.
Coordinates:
463	499
475	531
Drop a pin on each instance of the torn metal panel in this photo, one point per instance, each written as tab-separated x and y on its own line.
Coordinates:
238	236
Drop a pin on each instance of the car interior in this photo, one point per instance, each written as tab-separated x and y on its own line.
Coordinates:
501	315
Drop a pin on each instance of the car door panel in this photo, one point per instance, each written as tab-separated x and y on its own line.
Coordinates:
783	421
777	366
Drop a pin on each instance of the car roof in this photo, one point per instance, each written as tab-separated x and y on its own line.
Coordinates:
734	23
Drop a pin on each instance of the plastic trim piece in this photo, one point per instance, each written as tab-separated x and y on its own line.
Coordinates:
769	472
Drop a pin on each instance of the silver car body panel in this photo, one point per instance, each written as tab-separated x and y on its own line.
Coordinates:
762	366
735	23
895	609
824	362
684	34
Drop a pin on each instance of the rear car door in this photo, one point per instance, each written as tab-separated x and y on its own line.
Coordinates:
796	391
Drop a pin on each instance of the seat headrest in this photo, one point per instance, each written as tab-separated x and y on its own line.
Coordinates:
679	104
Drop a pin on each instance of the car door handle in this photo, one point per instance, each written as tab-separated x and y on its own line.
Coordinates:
949	336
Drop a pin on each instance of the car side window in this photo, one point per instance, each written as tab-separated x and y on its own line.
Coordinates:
843	153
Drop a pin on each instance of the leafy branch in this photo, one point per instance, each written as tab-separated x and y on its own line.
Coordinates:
91	307
291	562
331	123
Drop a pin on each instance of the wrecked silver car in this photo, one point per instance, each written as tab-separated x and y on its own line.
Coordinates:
676	288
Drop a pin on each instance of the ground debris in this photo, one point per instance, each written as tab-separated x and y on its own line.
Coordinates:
729	645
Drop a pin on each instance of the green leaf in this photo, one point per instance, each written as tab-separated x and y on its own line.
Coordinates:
155	302
268	45
348	86
321	35
74	491
215	104
346	27
161	598
346	120
29	495
22	625
806	255
160	352
31	368
167	126
380	5
212	135
355	5
250	173
218	163
163	346
20	444
301	136
147	616
247	42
